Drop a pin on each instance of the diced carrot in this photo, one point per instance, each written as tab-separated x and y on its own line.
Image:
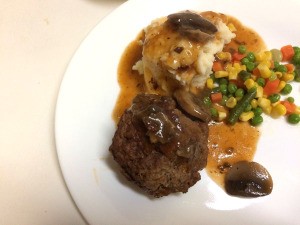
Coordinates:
287	52
256	72
216	97
290	107
217	66
290	67
271	87
237	56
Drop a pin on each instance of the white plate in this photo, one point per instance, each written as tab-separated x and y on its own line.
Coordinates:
84	127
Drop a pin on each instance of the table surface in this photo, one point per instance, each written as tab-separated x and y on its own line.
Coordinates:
37	41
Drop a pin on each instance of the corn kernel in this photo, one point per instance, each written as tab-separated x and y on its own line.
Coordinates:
268	55
281	85
249	83
278	110
232	75
231	102
278	74
254	103
297	111
259	91
287	77
259	57
220	74
264	70
245	116
263	102
224	56
231	27
210	83
222	115
267	110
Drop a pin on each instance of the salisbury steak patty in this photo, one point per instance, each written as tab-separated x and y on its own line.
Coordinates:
159	148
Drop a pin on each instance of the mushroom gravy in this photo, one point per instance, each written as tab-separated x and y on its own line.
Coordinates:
227	144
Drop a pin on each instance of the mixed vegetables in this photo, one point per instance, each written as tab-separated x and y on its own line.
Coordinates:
245	84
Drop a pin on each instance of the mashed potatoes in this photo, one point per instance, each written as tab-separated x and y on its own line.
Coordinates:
178	50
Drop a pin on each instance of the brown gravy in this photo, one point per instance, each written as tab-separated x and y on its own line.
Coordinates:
227	144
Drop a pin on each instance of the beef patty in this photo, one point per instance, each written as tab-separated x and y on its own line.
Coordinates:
158	147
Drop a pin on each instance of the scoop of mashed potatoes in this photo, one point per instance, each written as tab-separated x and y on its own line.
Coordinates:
179	50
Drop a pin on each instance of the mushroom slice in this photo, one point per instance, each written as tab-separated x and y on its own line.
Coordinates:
192	25
192	105
248	179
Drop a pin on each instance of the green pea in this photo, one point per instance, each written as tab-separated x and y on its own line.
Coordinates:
239	92
242	49
223	81
251	56
214	112
244	75
296	58
261	81
256	120
276	55
250	66
294	118
248	108
223	89
215	89
245	60
231	88
273	76
287	89
297	74
290	99
281	68
224	100
296	49
257	111
276	64
207	101
274	98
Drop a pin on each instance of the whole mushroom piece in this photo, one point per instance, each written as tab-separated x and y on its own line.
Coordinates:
248	179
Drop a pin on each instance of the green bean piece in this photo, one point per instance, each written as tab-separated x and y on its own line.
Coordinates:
294	118
244	75
240	107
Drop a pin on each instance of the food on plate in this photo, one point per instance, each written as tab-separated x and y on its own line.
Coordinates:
248	179
194	87
158	147
178	51
247	84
